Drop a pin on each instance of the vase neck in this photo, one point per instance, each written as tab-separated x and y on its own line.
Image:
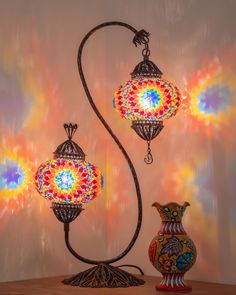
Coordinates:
172	227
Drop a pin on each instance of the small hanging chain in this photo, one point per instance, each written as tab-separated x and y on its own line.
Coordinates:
142	37
148	159
146	51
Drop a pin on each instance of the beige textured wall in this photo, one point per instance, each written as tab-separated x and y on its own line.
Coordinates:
191	41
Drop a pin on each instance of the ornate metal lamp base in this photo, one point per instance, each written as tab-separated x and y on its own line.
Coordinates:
104	276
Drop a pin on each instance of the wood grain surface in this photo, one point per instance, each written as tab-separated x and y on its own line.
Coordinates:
53	286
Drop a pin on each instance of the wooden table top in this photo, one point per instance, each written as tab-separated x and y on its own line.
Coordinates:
53	286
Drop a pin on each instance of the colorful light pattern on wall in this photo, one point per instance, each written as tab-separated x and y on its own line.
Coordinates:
147	99
28	70
15	175
71	181
11	175
29	94
23	87
211	97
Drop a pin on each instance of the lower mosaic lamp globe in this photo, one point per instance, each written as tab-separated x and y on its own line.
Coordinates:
68	180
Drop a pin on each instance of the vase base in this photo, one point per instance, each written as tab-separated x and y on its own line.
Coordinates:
186	288
173	283
104	276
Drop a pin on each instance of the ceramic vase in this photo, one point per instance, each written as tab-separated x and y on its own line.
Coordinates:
171	251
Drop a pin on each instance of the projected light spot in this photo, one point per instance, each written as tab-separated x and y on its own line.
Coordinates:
210	98
11	175
150	99
11	94
65	180
214	99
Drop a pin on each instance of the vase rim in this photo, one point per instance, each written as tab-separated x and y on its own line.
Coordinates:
185	204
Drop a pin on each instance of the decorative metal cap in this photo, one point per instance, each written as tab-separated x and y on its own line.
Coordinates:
147	130
146	69
69	149
66	212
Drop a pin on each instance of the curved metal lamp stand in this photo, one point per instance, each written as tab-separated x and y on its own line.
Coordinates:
103	274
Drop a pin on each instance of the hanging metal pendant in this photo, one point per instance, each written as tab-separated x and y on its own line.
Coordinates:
148	159
147	130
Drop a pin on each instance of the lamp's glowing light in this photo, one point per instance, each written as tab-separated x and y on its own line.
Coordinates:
147	99
63	180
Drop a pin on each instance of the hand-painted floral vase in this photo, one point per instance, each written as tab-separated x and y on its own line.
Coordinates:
172	252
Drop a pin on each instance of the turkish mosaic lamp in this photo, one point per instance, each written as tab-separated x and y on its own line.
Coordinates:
147	100
68	180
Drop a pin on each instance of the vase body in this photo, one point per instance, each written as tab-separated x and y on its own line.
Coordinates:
171	251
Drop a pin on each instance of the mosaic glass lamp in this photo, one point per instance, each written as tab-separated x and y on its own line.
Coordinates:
68	180
147	99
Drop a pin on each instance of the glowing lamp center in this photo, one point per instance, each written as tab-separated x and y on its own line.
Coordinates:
65	180
150	99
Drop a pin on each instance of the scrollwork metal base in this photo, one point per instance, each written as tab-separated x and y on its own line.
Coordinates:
104	276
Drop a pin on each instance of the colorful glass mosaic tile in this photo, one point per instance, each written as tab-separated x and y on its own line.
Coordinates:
147	99
72	181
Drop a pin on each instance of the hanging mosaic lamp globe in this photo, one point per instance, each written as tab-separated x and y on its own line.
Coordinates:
147	99
68	180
